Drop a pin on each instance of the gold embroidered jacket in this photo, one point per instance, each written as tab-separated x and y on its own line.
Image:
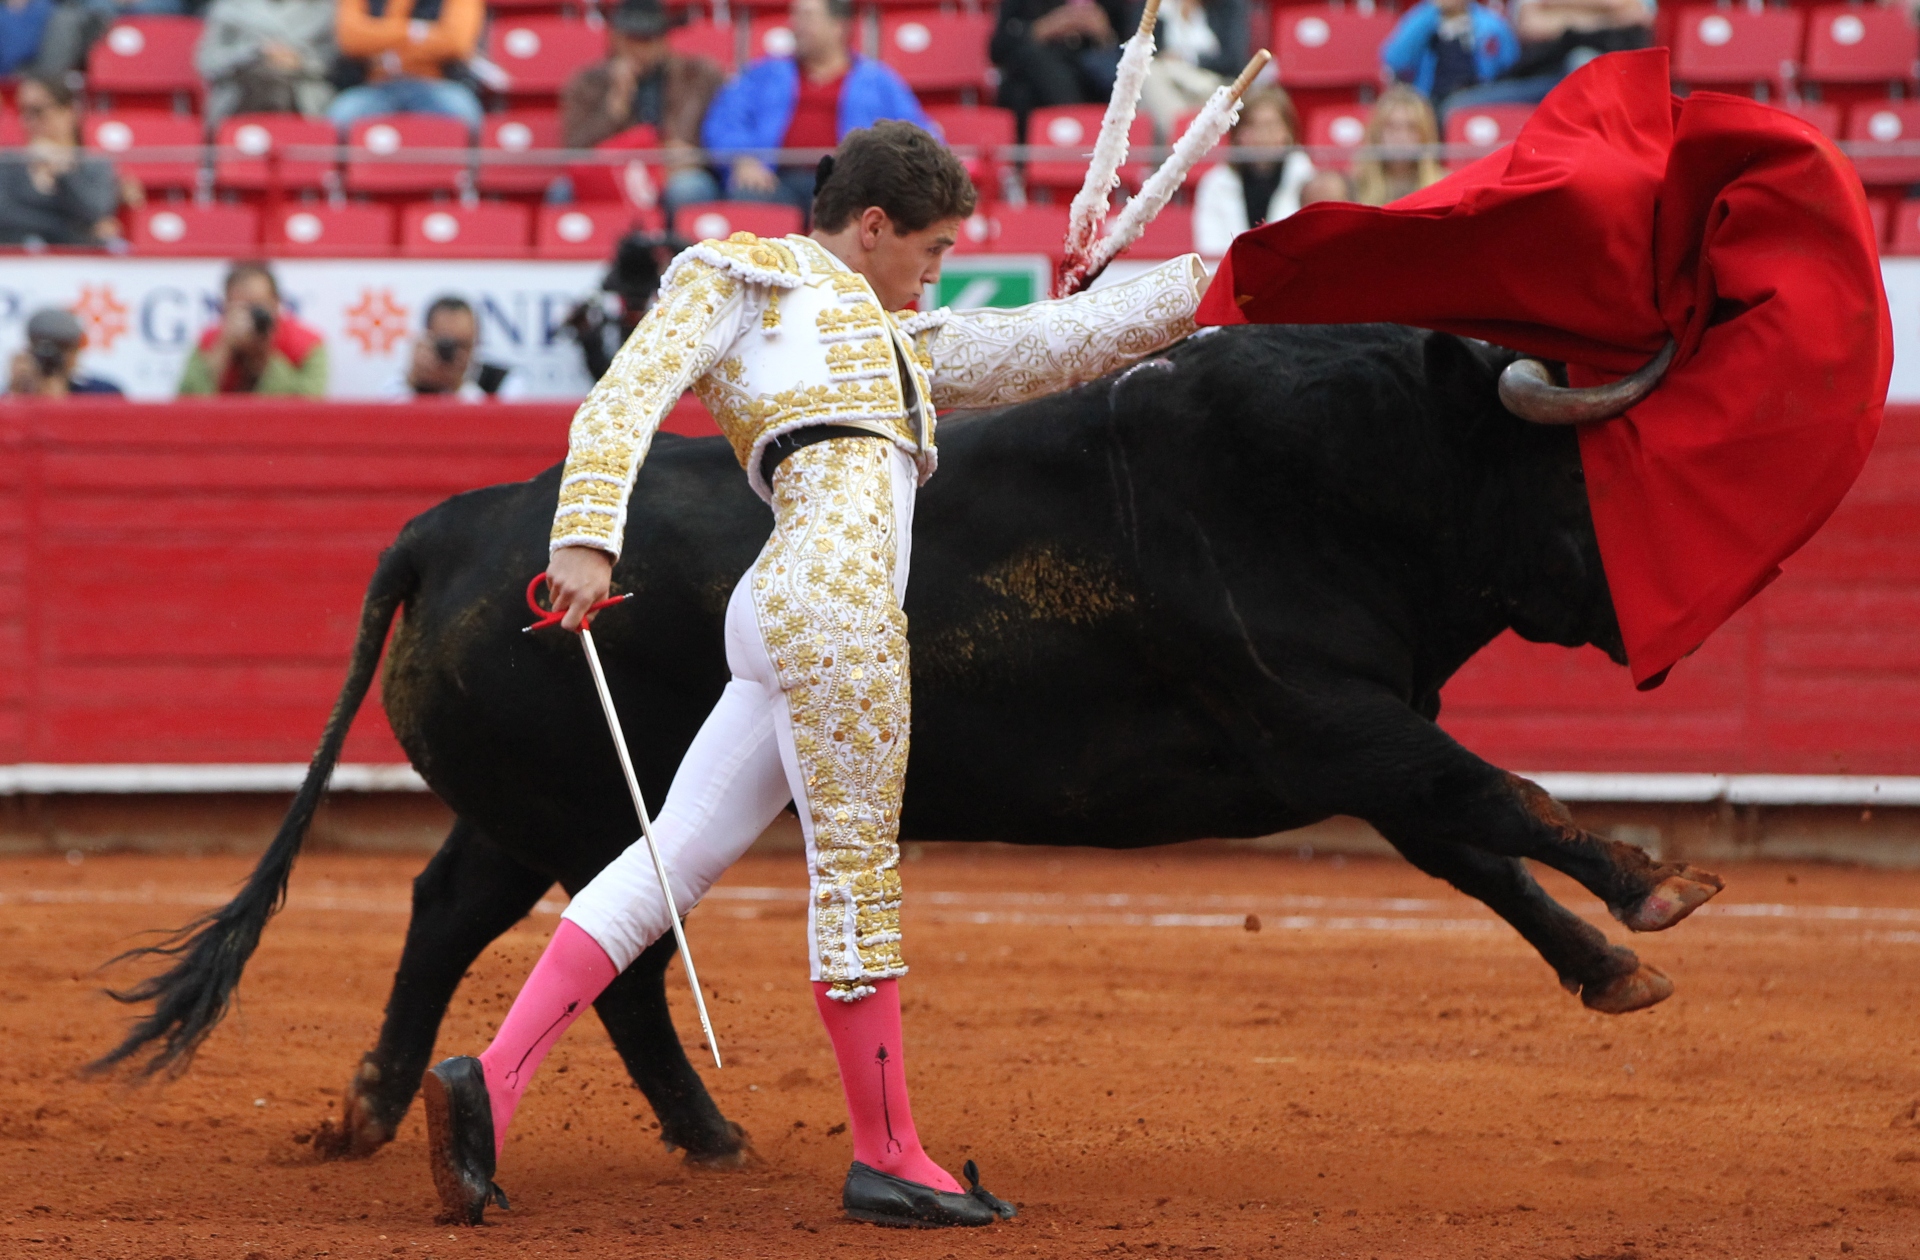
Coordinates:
776	335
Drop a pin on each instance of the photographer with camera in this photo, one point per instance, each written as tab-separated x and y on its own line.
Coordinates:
257	347
441	364
45	369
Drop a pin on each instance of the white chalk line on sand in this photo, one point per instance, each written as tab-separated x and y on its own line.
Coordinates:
1036	909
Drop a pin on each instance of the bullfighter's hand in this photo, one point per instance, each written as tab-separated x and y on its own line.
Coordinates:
577	579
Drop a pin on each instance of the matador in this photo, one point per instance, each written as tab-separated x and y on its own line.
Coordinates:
806	354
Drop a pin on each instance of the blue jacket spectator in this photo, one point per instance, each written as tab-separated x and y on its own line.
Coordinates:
22	22
1442	46
755	110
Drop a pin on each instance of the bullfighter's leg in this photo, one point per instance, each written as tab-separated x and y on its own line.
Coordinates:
1609	978
1404	774
467	896
634	1010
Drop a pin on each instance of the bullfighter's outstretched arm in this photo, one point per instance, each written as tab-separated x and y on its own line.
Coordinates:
689	329
992	357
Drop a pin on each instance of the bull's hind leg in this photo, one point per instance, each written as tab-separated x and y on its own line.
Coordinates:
634	1010
468	895
1609	978
1405	775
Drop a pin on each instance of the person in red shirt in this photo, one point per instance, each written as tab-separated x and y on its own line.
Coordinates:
810	100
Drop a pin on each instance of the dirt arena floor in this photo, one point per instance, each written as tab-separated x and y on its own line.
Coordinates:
1382	1070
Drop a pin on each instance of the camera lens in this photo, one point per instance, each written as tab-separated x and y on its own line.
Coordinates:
262	320
446	348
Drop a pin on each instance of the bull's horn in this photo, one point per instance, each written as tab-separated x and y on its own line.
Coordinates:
1528	391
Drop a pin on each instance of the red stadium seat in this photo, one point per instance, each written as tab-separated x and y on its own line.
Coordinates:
1168	236
1030	229
1485	128
1822	114
769	36
540	54
12	134
1736	48
714	220
372	146
145	56
116	133
1337	127
1886	121
711	40
318	230
635	182
249	138
185	228
444	229
1330	48
1074	127
978	132
517	132
937	52
580	231
1860	44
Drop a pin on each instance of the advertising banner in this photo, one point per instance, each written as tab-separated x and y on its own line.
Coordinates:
143	316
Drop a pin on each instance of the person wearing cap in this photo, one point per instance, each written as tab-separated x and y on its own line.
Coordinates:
644	83
47	367
809	100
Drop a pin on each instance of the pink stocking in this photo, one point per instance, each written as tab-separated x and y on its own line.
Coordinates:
570	974
873	1062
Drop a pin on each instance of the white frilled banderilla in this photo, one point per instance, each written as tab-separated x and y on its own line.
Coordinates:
548	618
1088	252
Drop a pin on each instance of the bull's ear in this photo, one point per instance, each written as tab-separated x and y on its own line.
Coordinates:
1461	375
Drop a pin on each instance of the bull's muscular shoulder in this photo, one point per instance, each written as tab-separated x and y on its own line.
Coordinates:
743	256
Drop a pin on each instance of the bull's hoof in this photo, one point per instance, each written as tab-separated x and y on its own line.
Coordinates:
731	1156
460	1140
1673	899
1634	991
360	1131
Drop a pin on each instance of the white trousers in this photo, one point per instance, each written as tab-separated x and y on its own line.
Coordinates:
776	735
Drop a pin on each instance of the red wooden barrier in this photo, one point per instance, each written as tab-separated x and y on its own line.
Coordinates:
179	584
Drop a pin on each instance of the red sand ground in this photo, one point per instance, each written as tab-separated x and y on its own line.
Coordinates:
1365	1076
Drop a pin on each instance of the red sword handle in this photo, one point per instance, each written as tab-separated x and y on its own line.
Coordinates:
552	617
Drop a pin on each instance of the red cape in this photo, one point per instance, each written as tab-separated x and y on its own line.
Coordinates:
1622	216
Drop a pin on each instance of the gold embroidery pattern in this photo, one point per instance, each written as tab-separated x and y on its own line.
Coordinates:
770	318
823	592
680	338
869	357
841	324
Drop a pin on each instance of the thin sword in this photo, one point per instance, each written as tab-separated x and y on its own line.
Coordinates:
646	832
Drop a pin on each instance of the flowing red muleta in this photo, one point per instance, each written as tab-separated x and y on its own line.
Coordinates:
1622	217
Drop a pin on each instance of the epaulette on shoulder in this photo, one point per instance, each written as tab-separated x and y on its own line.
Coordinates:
746	257
916	322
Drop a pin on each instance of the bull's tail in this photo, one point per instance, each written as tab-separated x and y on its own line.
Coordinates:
193	994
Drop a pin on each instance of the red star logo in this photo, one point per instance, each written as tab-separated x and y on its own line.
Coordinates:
376	321
103	315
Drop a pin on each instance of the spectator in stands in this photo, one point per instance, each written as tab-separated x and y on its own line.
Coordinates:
53	195
406	56
1058	52
257	347
1391	162
442	363
1199	45
266	56
22	23
1326	186
47	367
75	24
643	82
1441	47
1238	193
807	101
1557	37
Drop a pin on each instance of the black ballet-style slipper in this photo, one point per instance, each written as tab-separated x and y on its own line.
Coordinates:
460	1139
883	1199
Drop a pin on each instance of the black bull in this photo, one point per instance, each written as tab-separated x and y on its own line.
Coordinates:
1215	595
